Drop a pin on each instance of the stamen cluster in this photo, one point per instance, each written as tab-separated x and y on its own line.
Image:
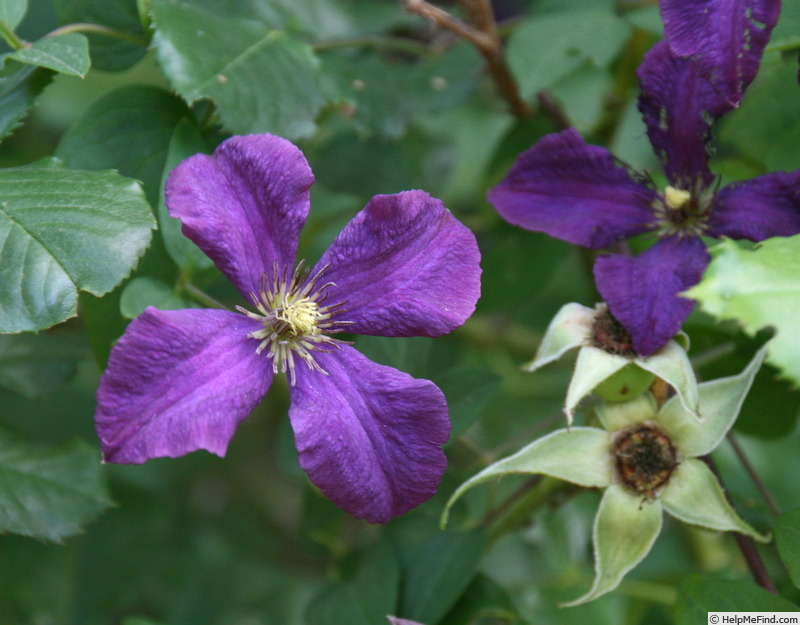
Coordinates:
296	321
682	212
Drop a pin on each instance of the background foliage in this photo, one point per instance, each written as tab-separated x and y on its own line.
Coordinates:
379	100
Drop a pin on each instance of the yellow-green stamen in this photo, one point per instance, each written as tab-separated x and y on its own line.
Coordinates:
294	318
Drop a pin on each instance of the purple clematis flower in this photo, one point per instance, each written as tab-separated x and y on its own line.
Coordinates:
369	436
581	193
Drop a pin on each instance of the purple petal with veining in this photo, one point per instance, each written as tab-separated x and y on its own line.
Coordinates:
405	266
760	208
244	205
726	38
369	436
642	291
178	381
574	191
679	107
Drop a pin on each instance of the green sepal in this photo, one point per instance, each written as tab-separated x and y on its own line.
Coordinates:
694	495
625	528
626	384
720	403
671	364
619	415
569	329
579	455
593	367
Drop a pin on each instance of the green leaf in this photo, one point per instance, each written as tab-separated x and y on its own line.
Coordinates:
369	84
185	142
467	389
128	129
756	287
33	364
366	599
260	80
143	292
20	85
483	599
697	596
12	12
66	54
409	354
108	53
764	129
787	538
49	493
60	231
443	567
545	48
787	31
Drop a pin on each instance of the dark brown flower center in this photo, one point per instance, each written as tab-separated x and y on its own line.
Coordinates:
610	335
645	458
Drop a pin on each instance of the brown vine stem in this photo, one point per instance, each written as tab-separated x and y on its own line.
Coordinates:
766	495
745	543
485	37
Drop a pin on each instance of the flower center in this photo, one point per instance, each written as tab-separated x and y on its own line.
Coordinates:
301	316
610	335
296	322
645	458
684	212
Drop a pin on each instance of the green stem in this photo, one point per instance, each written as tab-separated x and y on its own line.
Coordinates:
515	511
11	37
746	544
85	27
201	297
649	591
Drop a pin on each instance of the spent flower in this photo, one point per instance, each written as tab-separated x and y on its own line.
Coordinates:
582	194
369	436
607	363
647	460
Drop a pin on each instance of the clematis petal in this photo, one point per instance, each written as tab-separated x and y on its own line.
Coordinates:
574	191
570	328
679	107
759	208
580	455
726	38
369	436
178	381
244	206
720	402
693	495
625	529
405	266
642	291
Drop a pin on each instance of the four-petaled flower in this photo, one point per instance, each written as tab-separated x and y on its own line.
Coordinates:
369	436
580	193
647	461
